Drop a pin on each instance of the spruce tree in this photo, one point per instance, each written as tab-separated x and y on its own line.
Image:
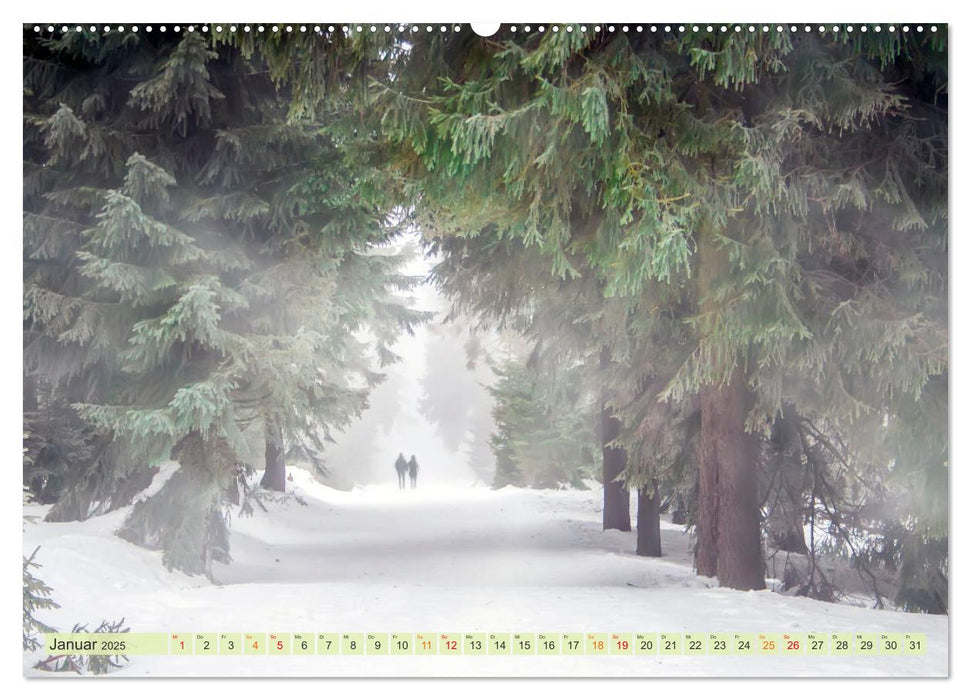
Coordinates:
544	435
234	252
761	177
37	596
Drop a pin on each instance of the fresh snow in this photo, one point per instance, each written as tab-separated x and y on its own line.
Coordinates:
439	559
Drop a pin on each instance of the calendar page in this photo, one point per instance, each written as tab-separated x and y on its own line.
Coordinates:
526	349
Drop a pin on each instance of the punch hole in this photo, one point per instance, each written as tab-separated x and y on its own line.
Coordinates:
486	29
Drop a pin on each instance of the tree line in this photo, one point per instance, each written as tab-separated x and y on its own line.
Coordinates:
728	253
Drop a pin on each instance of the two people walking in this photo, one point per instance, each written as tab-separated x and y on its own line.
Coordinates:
409	467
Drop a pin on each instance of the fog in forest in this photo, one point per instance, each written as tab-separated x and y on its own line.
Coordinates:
433	404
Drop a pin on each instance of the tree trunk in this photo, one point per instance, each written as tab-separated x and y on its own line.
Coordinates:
616	514
649	521
275	474
731	454
729	543
706	527
616	496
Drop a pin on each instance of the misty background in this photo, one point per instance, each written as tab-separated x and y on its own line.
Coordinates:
434	403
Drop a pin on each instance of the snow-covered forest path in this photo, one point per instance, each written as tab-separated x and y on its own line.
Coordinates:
442	560
443	537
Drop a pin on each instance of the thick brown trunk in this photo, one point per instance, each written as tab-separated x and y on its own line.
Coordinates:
649	521
728	519
732	453
275	474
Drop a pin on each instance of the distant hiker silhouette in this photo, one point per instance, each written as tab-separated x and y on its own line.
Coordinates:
413	471
401	466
